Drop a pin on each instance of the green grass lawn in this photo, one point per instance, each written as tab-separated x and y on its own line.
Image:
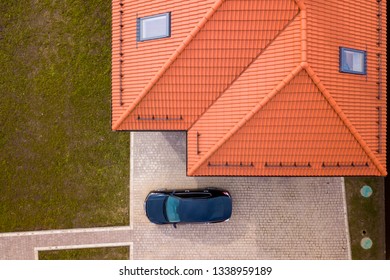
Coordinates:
366	217
61	166
108	253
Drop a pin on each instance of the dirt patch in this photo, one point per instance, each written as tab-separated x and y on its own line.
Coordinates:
366	217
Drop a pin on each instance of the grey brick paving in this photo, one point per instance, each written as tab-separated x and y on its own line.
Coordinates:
22	247
273	218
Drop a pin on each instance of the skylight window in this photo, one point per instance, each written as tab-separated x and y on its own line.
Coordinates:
352	61
154	27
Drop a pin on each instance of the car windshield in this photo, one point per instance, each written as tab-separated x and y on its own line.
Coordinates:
171	209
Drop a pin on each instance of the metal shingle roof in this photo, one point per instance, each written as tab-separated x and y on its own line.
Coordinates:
243	58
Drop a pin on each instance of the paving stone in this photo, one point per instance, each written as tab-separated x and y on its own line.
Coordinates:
20	246
273	218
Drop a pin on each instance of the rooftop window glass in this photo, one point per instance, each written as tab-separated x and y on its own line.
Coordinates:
154	27
352	61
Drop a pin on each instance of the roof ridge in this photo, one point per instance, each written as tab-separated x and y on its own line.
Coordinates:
301	4
248	116
169	62
316	80
247	67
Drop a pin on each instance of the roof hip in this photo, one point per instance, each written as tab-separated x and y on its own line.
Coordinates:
169	62
301	4
344	118
248	116
249	65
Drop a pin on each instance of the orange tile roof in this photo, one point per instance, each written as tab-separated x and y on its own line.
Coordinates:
257	84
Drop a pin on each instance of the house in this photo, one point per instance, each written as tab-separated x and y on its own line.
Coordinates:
262	87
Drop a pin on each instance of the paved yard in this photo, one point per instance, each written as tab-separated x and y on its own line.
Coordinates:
273	218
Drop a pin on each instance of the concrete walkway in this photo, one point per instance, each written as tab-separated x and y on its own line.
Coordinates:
273	218
26	245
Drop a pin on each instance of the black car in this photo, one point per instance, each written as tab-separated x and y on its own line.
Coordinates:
209	205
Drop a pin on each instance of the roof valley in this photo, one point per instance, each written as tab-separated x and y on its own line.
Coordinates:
248	116
244	70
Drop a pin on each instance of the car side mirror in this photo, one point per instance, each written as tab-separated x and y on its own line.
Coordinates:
174	225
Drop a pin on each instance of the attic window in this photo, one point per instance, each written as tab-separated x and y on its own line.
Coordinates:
352	61
154	27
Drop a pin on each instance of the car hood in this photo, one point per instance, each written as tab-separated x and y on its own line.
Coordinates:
154	207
